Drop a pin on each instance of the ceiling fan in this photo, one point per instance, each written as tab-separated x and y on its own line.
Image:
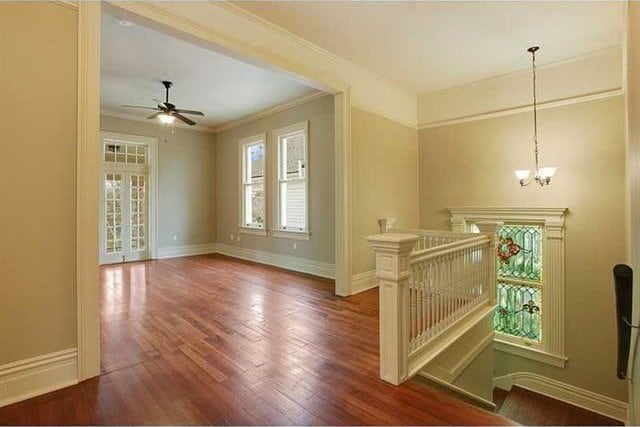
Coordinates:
167	112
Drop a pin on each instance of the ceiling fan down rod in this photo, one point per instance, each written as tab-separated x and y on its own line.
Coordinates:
167	84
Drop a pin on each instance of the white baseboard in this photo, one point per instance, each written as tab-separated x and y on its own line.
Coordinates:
186	250
39	375
363	282
568	393
302	265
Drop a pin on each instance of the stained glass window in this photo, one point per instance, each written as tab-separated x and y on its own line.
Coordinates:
527	263
519	288
518	311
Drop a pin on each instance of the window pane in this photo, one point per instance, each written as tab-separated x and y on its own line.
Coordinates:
519	311
292	156
520	248
293	205
254	163
254	205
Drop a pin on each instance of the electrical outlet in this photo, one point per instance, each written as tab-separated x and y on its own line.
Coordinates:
231	237
175	238
295	246
238	238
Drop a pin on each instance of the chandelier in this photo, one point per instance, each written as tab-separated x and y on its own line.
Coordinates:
542	175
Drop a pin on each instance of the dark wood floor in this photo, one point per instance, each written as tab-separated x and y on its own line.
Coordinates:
212	340
532	409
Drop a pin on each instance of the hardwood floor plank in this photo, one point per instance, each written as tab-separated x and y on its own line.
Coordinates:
215	340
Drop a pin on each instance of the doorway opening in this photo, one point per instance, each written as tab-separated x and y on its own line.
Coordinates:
127	198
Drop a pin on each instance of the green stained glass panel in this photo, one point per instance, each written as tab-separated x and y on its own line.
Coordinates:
519	311
527	263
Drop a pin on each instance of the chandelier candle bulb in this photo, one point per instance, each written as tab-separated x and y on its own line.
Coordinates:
548	172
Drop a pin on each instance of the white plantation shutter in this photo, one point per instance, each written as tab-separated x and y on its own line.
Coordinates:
294	209
292	178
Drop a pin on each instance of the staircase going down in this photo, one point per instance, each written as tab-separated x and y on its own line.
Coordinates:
532	409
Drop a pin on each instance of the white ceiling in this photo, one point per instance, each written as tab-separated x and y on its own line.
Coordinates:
136	59
427	46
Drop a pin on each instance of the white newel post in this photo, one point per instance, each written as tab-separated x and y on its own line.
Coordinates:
491	229
392	269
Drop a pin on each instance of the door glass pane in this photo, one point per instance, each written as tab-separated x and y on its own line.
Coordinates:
137	223
113	212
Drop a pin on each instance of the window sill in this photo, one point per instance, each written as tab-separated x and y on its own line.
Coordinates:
253	230
529	353
288	234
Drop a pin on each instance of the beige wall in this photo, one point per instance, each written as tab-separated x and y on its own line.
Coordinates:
320	247
38	71
384	180
471	164
633	163
186	180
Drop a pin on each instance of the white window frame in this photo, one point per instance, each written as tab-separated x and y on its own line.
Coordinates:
552	348
242	144
279	230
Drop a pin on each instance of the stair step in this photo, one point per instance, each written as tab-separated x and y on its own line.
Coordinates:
453	391
529	408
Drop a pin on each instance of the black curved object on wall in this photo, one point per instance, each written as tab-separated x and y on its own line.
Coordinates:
623	279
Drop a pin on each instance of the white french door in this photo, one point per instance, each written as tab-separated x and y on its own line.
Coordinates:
125	227
124	203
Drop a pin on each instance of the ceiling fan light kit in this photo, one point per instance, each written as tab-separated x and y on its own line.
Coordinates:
167	112
542	175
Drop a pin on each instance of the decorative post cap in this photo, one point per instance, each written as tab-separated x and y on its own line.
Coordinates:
392	242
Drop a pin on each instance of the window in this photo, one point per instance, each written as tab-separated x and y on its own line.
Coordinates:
121	153
293	178
519	287
529	316
253	211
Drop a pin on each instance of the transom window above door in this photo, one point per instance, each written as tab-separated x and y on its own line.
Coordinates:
123	153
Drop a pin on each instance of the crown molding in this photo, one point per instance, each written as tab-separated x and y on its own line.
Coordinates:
382	114
612	93
527	71
133	117
239	11
270	111
581	78
69	4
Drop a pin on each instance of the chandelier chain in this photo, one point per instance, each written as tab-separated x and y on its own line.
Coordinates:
535	110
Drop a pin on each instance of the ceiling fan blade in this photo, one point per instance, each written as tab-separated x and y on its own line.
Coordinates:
184	119
161	104
195	113
139	106
153	116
